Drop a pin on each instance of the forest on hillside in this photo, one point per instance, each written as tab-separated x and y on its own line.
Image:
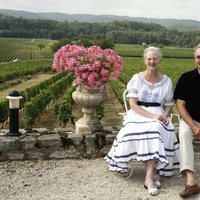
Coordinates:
124	32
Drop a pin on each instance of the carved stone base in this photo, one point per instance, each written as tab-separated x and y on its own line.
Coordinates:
89	100
81	127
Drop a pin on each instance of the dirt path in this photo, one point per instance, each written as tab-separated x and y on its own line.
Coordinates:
26	84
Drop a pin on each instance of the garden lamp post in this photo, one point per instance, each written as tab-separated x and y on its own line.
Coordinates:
14	103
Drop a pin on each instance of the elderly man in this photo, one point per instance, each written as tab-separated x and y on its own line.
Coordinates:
187	97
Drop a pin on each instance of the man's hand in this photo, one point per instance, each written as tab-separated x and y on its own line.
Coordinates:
196	130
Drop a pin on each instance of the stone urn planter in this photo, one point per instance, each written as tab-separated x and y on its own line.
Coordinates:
89	99
92	67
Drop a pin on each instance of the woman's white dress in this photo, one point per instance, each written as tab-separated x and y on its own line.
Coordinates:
142	138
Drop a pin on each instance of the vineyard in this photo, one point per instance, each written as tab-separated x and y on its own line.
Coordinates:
51	98
128	50
24	49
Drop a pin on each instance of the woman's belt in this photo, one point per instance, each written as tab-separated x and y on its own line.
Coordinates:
148	104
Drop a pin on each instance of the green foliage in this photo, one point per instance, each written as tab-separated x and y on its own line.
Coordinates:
34	90
3	110
13	49
41	46
100	112
57	45
173	67
118	88
84	42
63	109
133	50
31	114
127	32
175	62
104	44
39	102
65	113
11	71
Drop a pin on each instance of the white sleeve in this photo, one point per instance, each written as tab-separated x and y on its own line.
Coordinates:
169	94
132	87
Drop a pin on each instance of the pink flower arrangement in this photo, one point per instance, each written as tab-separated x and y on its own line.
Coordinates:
92	66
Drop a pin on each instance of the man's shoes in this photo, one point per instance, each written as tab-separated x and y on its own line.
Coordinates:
190	190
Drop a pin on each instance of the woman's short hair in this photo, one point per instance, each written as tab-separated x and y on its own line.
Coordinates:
152	48
197	47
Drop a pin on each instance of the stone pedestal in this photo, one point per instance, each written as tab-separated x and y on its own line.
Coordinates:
89	100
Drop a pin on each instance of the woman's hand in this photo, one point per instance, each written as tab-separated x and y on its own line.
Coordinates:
163	119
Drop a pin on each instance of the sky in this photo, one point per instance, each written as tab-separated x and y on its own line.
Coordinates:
171	9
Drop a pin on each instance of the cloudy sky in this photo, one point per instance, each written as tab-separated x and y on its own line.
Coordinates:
178	9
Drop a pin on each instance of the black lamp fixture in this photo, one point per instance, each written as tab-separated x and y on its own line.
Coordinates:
14	105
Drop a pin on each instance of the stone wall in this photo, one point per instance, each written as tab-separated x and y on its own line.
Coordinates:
55	144
58	144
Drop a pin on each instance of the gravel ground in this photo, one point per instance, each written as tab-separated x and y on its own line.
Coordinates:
80	180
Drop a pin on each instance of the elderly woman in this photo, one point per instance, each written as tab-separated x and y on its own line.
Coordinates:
147	133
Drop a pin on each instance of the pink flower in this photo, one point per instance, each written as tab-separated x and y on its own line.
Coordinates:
84	75
92	66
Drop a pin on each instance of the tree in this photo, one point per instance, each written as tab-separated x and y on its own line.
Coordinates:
105	44
84	42
57	45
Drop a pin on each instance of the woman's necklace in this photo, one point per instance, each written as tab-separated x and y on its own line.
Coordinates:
152	86
151	80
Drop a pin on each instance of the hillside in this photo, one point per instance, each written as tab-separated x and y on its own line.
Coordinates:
183	24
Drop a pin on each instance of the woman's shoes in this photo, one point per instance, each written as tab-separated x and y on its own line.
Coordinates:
130	172
157	181
152	189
